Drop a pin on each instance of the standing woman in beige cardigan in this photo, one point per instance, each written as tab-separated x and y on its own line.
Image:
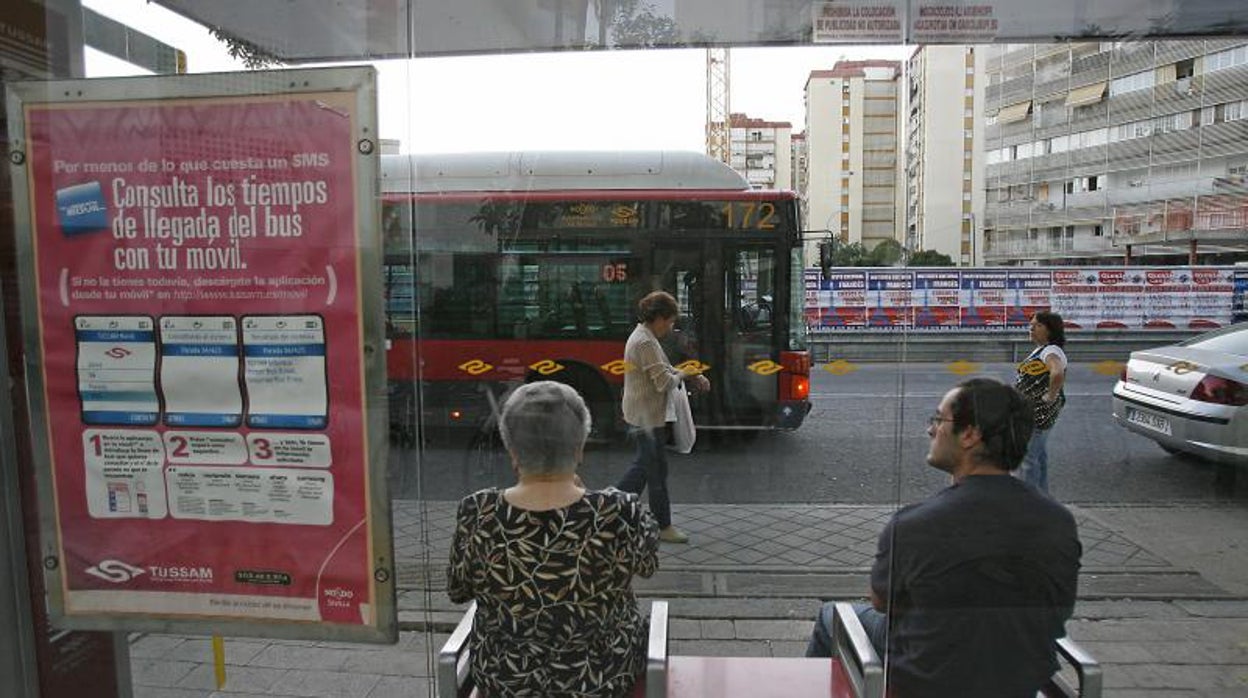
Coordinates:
648	379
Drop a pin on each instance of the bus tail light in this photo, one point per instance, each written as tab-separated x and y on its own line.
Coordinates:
799	387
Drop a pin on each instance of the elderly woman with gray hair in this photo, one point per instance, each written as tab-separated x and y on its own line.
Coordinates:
550	563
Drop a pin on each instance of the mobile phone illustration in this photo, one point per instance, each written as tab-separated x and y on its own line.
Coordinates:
116	366
284	371
199	362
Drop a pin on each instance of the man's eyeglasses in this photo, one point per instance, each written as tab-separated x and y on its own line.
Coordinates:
933	422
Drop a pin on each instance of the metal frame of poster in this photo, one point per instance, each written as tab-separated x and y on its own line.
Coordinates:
199	260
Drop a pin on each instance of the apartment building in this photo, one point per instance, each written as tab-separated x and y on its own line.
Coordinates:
944	161
798	158
762	151
853	182
1131	151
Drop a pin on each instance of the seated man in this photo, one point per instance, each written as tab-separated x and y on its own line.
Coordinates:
972	587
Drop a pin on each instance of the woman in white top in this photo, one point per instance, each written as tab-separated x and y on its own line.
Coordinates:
648	378
1040	378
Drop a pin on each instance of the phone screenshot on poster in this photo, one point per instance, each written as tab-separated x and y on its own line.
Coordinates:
199	363
284	371
116	367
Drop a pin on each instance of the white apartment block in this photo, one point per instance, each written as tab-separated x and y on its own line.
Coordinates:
853	181
944	160
762	151
798	158
1135	151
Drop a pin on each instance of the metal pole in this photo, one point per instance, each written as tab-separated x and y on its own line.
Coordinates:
19	668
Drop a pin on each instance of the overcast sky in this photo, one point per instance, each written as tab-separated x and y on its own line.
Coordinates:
622	100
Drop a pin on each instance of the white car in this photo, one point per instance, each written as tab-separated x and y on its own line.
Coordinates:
1190	397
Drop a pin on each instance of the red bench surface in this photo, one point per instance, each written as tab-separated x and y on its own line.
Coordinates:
756	677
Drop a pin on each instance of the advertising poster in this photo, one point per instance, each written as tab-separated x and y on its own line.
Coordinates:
983	299
953	23
1239	304
1212	292
1122	299
1167	298
937	299
1028	294
200	299
1105	298
856	22
890	301
1076	298
846	300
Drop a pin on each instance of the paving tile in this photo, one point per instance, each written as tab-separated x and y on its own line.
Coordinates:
719	648
237	678
300	657
401	687
718	630
390	662
143	645
684	629
158	672
773	629
166	692
788	648
325	684
199	649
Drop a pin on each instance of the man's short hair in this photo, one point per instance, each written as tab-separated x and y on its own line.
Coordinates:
545	425
1004	417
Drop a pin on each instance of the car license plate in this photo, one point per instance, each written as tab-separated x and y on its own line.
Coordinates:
1149	420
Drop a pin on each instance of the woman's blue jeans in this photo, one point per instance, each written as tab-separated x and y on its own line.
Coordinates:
1035	467
649	469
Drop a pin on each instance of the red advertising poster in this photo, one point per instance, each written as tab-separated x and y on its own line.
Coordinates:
983	299
198	276
936	300
890	302
843	300
1029	293
1167	298
1122	299
1076	297
1212	294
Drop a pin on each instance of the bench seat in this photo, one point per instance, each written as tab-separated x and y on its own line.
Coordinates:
855	672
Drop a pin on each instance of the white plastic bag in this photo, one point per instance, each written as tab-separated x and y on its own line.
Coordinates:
684	434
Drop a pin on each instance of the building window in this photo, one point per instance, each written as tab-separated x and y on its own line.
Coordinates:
1132	83
1098	231
1185	69
1207	115
1233	111
1226	59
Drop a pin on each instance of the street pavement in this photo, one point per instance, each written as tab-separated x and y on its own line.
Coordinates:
1163	601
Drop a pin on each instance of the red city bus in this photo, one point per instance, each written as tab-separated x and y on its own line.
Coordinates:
503	268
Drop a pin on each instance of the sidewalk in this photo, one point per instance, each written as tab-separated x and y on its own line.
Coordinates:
1163	601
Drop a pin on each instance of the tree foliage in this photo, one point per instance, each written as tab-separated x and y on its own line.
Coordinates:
930	258
252	55
635	24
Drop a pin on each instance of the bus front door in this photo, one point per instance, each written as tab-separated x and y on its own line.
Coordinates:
690	273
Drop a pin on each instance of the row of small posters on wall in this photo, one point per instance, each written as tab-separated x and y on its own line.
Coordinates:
1114	298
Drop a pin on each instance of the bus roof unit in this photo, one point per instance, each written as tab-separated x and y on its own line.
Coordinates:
557	170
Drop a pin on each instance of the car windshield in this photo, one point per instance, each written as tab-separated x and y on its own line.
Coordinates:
1231	340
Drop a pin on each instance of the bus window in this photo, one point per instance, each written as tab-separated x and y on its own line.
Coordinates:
457	294
751	289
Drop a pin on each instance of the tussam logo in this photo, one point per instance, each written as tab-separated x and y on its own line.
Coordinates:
198	575
115	571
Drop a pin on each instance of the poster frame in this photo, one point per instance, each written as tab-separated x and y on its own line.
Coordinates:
361	83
